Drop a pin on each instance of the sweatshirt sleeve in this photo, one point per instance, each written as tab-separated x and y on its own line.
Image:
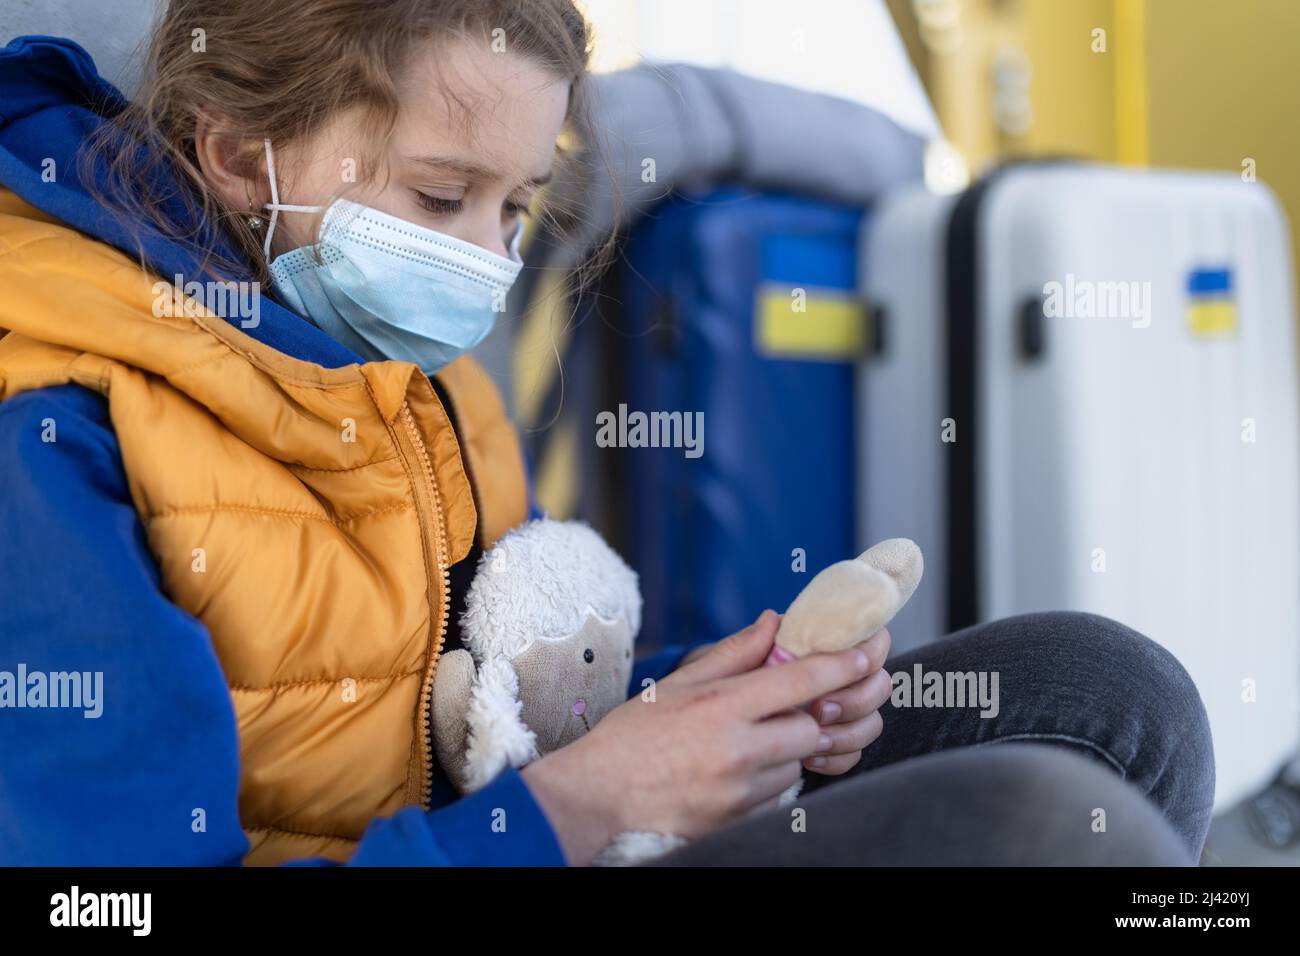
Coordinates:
145	769
499	825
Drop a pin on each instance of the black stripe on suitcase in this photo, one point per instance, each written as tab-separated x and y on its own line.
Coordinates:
961	307
961	326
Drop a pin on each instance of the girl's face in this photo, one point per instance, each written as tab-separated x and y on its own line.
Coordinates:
474	140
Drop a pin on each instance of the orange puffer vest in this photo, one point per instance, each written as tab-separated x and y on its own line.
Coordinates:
307	516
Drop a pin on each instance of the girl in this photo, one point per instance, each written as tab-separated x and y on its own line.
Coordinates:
250	509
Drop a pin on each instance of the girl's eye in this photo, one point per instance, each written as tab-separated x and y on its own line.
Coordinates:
438	205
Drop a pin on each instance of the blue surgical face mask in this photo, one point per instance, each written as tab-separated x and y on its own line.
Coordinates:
389	289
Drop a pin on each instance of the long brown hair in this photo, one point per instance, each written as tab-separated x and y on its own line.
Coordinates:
279	71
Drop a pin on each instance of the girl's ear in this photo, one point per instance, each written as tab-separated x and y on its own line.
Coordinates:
228	164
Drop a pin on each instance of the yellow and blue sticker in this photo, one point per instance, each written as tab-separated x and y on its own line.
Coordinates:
802	323
1211	303
805	306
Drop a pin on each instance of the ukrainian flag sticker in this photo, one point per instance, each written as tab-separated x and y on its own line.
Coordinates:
799	323
1211	304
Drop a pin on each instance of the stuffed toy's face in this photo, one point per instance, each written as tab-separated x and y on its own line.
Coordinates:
567	686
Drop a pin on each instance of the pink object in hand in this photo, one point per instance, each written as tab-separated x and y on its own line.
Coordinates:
778	655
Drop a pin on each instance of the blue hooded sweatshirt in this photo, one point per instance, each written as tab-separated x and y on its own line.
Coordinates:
79	589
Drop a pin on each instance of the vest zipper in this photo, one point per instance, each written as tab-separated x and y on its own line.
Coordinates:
439	628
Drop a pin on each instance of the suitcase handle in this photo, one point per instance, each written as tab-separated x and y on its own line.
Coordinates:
877	329
1033	330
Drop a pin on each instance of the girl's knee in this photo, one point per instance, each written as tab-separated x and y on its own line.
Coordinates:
1129	667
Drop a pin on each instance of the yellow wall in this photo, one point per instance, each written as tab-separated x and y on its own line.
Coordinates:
1202	84
1224	86
1073	88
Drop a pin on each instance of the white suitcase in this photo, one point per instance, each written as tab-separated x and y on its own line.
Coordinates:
1113	352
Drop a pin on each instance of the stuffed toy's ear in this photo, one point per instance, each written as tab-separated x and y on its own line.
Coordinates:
452	684
497	735
901	559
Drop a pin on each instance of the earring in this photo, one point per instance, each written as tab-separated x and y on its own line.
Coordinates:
254	222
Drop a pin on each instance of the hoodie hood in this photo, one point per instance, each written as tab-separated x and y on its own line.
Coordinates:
51	99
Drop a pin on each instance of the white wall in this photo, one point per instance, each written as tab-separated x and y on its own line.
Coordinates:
849	48
111	30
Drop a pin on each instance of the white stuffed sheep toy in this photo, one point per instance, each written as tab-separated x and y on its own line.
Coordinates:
548	631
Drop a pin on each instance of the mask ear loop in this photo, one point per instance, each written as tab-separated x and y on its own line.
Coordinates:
275	205
516	245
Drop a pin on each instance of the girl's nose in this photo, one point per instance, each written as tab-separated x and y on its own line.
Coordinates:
489	235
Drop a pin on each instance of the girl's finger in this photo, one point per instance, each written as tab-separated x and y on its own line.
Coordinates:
850	738
856	701
835	765
737	654
771	782
783	739
770	690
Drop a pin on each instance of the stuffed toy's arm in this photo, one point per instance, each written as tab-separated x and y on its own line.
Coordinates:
849	601
452	684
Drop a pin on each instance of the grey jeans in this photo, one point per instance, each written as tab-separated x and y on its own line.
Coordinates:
1102	757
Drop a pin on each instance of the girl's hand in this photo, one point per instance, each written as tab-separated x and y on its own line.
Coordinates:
721	736
851	716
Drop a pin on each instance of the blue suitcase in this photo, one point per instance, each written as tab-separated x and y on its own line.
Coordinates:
740	307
